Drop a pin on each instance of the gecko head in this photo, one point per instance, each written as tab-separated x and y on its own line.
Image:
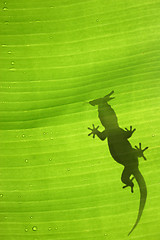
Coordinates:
102	101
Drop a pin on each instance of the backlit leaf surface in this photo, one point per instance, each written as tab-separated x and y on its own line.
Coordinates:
55	181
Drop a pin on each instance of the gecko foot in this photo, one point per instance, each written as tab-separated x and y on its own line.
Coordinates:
129	186
93	131
130	131
140	151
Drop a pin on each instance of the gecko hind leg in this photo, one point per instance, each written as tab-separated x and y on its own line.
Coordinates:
125	178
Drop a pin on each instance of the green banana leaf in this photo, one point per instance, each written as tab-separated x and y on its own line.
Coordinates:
56	182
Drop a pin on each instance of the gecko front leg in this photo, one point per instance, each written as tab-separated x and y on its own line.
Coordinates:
94	131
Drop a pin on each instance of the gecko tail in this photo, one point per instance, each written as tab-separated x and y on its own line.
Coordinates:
143	196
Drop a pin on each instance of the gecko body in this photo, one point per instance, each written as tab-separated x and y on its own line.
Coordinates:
121	149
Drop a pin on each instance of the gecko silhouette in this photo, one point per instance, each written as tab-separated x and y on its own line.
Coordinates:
120	148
